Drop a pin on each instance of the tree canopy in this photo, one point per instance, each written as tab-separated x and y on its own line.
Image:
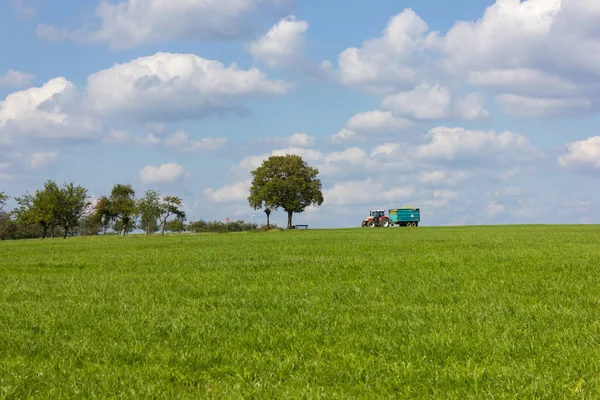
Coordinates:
286	182
53	206
119	207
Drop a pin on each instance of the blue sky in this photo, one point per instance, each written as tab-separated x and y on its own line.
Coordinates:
478	112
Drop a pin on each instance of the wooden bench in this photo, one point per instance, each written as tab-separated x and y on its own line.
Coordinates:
298	226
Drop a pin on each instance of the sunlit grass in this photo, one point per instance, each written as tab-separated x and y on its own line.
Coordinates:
479	312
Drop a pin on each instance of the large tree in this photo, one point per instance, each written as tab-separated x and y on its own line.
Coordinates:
3	200
286	182
149	208
40	208
71	206
170	205
120	207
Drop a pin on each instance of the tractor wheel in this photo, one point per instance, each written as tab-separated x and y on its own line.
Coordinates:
385	223
372	224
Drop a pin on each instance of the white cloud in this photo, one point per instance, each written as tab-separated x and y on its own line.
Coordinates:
298	139
235	193
532	107
540	54
365	192
13	78
23	10
390	62
169	85
42	159
46	112
471	107
582	155
376	122
443	177
165	173
488	147
425	102
282	45
181	141
345	135
129	23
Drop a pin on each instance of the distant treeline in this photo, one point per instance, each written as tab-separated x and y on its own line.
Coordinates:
66	211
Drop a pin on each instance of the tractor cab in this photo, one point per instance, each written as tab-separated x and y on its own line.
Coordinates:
377	214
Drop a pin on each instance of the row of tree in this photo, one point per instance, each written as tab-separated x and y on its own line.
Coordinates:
67	209
286	182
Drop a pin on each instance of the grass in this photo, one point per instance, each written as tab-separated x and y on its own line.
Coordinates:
477	312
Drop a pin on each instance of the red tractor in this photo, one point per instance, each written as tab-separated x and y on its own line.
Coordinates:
376	218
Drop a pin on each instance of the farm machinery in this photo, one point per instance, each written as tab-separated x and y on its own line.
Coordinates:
404	216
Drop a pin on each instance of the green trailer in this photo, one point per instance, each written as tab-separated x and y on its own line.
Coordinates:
405	216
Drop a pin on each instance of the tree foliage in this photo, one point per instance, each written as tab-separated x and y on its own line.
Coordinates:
171	205
150	209
286	182
40	208
71	206
120	207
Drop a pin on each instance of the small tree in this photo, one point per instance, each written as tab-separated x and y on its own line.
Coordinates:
119	207
71	205
285	182
149	208
40	209
170	205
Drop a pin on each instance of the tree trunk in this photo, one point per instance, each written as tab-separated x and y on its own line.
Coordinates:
45	231
290	219
52	232
268	225
66	228
164	225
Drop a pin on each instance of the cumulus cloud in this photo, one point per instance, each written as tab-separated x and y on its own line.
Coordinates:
377	122
165	173
130	23
582	155
533	107
49	111
181	141
178	141
425	102
13	78
452	144
365	192
298	139
42	159
235	193
539	54
172	86
282	45
24	10
443	177
390	62
471	107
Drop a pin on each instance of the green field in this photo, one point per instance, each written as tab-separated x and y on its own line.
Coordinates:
477	312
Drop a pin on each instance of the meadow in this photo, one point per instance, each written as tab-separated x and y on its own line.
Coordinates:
469	312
